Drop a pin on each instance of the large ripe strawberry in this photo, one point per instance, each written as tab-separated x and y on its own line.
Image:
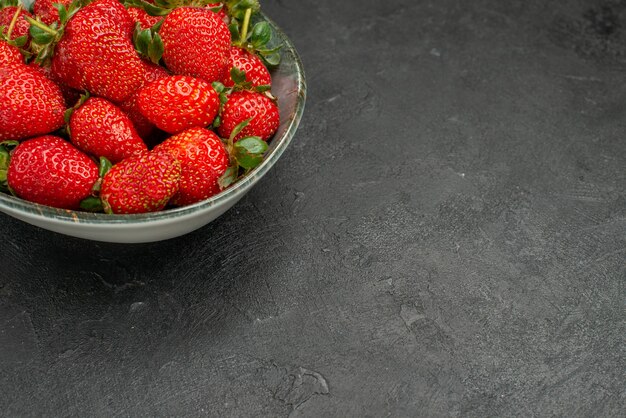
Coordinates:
30	104
101	129
203	159
50	171
179	102
256	72
196	43
260	109
140	184
20	28
96	53
46	11
10	55
130	106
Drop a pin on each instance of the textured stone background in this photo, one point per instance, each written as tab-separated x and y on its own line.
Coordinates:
445	237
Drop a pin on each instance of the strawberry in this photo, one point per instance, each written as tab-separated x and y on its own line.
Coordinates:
255	71
100	128
179	102
30	104
196	43
203	160
46	11
140	184
70	95
130	106
20	27
95	51
260	109
50	171
9	55
139	15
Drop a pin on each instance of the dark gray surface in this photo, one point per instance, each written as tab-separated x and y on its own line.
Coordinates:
445	237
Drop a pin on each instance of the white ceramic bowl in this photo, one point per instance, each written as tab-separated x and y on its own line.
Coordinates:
288	84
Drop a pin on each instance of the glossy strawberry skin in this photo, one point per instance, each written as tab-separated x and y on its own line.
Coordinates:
50	171
47	12
196	43
101	129
244	105
203	159
179	102
21	25
30	104
256	72
140	184
9	55
70	95
96	52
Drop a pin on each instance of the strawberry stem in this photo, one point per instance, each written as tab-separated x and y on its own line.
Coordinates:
14	20
41	26
246	23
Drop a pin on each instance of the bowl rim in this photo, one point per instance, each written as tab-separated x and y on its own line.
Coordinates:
15	204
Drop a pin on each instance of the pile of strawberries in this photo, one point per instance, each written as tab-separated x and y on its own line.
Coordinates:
130	106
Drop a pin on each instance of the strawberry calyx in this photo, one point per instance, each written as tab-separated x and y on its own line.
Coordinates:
148	42
5	157
93	203
255	40
45	37
245	154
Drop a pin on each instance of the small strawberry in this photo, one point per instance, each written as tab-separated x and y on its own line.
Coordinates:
46	11
203	160
179	102
10	55
30	104
139	15
258	108
140	184
196	43
255	71
130	106
50	171
101	129
12	19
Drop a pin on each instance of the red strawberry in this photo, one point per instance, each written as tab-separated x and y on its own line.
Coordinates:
139	15
101	129
70	95
9	55
50	171
130	106
30	104
196	43
244	105
96	52
256	72
203	160
21	25
140	184
47	12
179	102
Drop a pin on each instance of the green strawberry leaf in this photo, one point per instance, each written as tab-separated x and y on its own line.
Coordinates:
218	87
238	76
143	39
263	89
20	41
155	49
260	35
217	122
270	59
92	204
104	166
237	8
63	14
234	29
40	36
229	177
240	127
249	151
5	158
